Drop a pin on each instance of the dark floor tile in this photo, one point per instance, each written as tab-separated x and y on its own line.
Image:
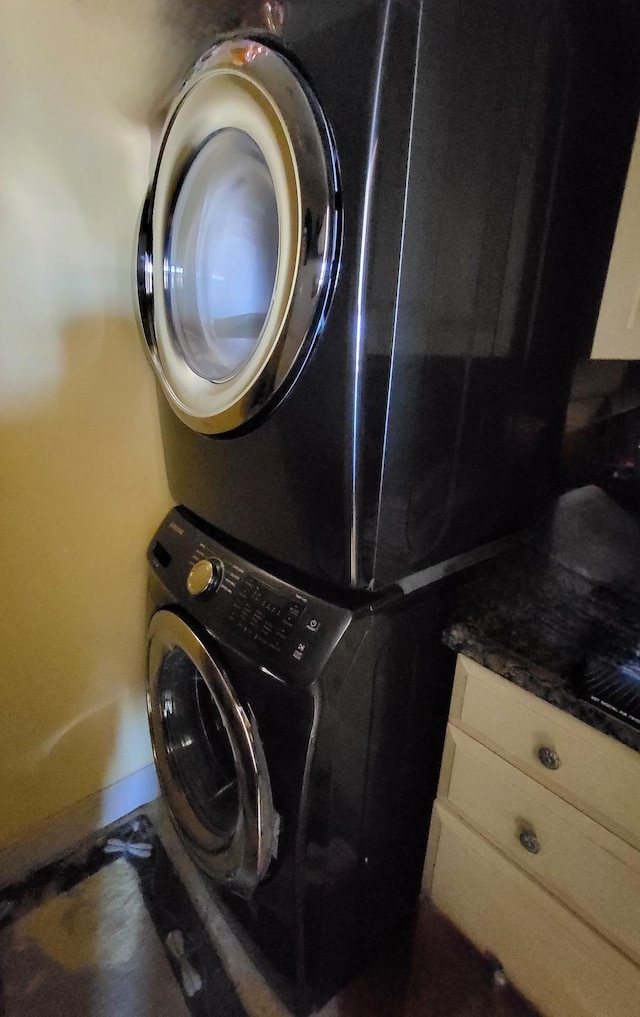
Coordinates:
436	972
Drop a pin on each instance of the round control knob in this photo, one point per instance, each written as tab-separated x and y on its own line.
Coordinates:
205	577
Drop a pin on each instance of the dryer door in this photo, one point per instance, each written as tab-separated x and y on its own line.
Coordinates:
209	757
238	245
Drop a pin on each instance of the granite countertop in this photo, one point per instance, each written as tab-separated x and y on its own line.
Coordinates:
560	607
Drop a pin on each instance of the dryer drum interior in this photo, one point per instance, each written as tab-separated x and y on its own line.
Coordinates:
209	757
238	237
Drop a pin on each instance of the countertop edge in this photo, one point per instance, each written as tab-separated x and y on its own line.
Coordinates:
552	687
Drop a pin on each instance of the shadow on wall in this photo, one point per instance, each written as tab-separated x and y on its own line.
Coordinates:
143	51
82	485
82	481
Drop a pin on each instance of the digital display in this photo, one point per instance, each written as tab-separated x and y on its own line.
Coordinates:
260	596
264	615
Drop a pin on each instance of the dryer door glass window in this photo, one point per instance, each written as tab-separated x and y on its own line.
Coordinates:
222	255
239	241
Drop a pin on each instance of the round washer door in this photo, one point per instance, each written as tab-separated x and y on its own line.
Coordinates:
209	757
238	245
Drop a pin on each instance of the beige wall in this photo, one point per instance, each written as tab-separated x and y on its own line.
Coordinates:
82	482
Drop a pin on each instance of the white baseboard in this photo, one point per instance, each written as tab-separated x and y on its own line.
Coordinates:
55	836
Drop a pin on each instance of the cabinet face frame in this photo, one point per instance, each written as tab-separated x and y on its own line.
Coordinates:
597	775
561	953
557	961
593	872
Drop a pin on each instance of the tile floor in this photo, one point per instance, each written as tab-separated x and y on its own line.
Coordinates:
435	973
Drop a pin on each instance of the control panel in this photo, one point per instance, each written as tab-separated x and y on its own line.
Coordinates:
281	627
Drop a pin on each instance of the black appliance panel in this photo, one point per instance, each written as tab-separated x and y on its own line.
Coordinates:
292	632
429	416
352	761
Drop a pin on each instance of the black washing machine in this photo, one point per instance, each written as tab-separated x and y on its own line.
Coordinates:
374	243
297	740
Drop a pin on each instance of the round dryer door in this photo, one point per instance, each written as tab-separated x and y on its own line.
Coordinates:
238	244
209	757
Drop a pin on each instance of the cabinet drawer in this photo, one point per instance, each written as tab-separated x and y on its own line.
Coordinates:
590	869
598	775
558	962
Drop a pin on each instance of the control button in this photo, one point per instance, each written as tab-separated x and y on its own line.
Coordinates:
299	651
205	577
313	625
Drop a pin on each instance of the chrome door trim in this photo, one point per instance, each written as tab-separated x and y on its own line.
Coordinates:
307	160
143	274
244	861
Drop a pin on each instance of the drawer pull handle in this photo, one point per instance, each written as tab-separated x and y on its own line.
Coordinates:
529	841
549	758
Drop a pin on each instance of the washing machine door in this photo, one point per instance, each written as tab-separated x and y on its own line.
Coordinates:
209	757
238	246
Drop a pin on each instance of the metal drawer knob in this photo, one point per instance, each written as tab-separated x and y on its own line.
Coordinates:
529	841
549	757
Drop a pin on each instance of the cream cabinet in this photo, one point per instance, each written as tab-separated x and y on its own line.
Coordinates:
534	849
617	334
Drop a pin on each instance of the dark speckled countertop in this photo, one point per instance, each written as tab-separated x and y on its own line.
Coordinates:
561	604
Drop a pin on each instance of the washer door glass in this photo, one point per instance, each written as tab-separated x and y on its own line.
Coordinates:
222	256
197	745
209	757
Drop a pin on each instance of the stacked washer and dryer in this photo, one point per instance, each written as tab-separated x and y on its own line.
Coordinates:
358	289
